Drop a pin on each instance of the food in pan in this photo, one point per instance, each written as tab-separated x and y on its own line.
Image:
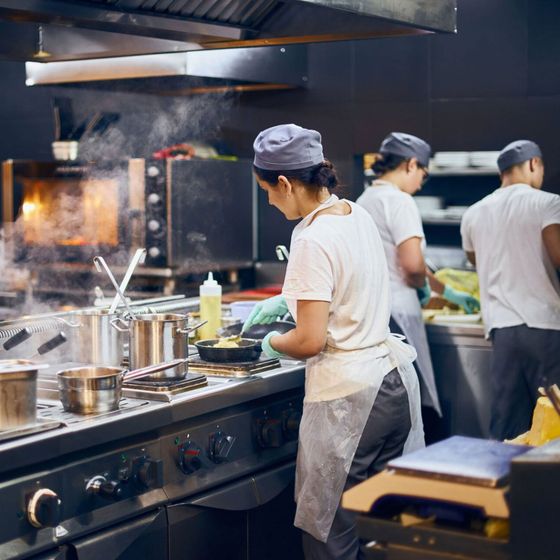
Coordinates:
228	342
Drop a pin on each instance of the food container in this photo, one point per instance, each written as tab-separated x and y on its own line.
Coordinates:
65	150
96	389
242	309
18	393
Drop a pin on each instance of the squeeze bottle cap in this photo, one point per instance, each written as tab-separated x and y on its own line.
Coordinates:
210	287
210	280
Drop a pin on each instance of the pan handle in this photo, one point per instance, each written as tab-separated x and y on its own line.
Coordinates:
190	329
137	373
119	328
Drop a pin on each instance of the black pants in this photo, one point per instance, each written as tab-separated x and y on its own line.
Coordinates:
383	439
523	359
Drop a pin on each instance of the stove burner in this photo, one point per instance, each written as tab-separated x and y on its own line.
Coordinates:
163	390
175	385
233	369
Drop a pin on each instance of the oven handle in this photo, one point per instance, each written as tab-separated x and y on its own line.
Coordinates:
247	493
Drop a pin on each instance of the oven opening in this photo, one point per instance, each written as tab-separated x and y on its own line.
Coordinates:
70	212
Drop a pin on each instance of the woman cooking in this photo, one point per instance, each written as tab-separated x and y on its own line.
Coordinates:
362	401
400	172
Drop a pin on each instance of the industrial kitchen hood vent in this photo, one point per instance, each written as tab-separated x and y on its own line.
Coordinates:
175	40
183	25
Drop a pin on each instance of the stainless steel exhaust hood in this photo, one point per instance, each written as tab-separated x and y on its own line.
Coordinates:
218	24
177	38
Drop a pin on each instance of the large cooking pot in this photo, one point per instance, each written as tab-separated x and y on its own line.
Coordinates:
156	338
18	393
97	389
94	341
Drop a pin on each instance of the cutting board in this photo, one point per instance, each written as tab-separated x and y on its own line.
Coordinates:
462	459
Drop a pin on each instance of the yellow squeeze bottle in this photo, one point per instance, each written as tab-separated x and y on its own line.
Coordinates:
210	307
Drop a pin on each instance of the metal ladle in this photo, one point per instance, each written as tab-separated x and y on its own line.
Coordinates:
100	263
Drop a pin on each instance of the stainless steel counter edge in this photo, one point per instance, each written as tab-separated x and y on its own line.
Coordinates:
455	334
54	444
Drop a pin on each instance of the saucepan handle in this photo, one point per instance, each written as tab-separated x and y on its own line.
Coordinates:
68	323
117	322
142	372
17	338
191	329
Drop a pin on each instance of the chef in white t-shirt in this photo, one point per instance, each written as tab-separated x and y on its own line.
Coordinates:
362	399
400	173
513	238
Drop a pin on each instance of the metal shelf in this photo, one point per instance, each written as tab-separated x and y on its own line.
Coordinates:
458	171
442	221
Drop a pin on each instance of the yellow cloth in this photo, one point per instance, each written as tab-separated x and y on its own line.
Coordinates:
462	280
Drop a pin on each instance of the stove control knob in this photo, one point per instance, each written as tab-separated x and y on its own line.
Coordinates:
44	509
154	252
291	421
148	473
219	446
154	225
270	433
153	171
189	457
100	486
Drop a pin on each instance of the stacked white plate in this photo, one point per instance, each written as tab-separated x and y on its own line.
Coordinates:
451	159
483	159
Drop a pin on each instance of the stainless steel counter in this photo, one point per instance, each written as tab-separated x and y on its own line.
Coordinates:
461	357
83	432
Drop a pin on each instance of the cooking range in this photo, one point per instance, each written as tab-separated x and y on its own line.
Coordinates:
162	476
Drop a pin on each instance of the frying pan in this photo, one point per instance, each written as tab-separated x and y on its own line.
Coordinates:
249	348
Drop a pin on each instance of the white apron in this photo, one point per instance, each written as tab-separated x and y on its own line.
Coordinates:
406	311
340	390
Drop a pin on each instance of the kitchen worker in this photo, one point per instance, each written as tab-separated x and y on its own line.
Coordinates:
362	399
400	172
513	237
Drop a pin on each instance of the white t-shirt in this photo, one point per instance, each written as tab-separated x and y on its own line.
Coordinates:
340	259
518	282
397	218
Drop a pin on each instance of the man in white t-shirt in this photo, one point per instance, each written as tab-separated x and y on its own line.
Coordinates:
513	238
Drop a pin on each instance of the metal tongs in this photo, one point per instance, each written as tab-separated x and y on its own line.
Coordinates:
553	393
138	258
100	264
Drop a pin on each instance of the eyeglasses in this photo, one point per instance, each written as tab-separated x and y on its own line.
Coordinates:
425	174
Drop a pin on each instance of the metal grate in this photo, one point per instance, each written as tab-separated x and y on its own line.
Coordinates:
241	13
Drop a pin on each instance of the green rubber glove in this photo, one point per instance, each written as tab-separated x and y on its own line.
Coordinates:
424	293
469	303
266	312
267	347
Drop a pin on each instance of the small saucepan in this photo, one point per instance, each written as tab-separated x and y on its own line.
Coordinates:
97	389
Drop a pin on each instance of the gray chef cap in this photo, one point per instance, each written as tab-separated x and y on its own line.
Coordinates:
287	146
517	152
406	146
